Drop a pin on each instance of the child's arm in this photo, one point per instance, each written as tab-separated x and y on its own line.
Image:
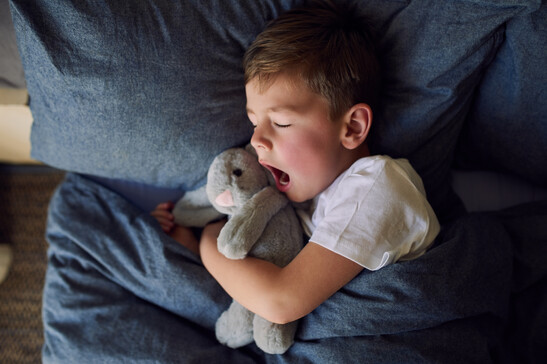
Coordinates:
277	294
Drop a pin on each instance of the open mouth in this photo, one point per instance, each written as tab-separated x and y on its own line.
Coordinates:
282	179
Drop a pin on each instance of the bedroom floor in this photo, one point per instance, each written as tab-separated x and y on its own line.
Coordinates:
24	196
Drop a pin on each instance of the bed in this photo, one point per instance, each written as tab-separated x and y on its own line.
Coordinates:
134	100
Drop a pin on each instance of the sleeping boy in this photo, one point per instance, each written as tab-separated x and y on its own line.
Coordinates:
311	80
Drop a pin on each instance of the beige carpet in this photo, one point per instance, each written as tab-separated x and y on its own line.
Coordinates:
24	197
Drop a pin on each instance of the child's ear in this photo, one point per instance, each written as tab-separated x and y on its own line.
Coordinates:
357	123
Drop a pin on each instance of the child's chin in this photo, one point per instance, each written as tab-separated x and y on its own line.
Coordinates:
296	198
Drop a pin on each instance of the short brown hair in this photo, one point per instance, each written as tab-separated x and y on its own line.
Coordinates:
329	47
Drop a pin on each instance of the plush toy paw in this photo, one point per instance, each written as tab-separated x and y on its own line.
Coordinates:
231	250
234	328
273	338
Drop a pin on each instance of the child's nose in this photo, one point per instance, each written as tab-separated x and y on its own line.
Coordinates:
259	140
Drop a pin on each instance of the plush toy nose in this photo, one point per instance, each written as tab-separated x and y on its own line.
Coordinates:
225	199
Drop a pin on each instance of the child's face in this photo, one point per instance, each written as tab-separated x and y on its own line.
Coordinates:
294	137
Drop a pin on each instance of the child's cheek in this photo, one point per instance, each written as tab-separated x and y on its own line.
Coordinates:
303	157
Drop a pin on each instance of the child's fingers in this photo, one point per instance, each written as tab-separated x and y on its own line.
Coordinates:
164	217
167	215
165	221
166	225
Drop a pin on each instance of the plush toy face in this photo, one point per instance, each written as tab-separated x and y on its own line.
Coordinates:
234	176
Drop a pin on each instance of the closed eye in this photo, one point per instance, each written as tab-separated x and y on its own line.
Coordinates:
282	125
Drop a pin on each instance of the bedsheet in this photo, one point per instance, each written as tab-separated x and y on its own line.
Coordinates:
119	290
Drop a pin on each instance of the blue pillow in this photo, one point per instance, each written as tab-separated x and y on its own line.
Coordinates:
151	91
146	91
507	127
434	56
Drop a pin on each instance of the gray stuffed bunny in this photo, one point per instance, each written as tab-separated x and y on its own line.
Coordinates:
262	223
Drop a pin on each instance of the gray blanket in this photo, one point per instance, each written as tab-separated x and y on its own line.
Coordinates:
119	290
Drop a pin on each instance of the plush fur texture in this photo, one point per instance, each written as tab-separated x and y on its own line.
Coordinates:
262	223
195	210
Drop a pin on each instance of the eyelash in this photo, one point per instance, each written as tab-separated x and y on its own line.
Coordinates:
276	125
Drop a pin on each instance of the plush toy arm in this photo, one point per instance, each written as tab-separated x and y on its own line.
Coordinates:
195	210
245	227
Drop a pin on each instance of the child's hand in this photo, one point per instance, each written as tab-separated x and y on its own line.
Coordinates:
183	235
163	213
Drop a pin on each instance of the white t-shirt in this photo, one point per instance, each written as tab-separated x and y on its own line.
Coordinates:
375	213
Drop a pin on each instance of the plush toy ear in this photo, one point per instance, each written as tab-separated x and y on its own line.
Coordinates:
357	123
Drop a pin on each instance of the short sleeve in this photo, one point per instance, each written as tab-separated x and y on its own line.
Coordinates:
376	216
